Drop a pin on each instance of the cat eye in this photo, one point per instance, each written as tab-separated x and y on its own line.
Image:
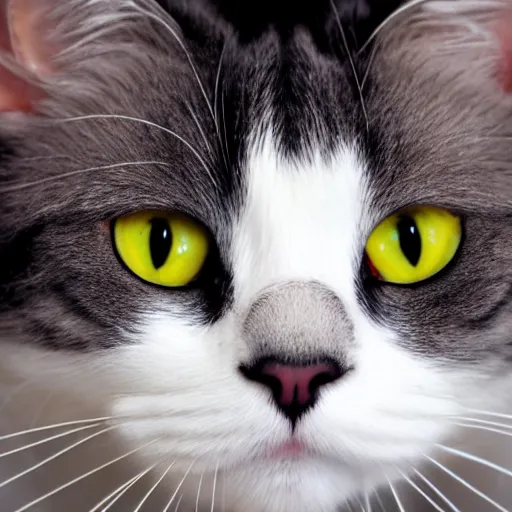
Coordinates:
162	248
414	244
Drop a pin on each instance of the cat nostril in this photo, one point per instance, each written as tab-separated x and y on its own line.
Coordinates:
297	383
294	386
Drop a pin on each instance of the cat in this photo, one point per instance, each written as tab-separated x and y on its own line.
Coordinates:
255	256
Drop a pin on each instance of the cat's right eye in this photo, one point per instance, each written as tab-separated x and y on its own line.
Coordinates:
162	248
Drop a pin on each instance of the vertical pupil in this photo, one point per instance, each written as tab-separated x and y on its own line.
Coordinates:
160	242
410	239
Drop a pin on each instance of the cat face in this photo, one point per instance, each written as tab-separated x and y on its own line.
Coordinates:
290	365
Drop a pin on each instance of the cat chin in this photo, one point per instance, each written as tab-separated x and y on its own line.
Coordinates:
272	486
302	487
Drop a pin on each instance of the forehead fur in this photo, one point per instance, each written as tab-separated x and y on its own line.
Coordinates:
383	93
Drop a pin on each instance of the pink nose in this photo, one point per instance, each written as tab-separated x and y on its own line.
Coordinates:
298	383
294	388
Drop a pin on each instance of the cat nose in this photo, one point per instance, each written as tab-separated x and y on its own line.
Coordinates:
295	387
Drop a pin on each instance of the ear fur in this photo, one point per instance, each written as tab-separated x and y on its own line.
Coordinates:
466	39
28	28
71	53
25	53
488	36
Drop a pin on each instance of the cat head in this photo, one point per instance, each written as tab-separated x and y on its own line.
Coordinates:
272	251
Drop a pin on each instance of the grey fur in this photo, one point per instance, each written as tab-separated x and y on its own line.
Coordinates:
298	322
439	131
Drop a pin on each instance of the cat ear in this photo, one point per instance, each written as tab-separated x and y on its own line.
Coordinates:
487	42
27	23
26	52
504	33
462	40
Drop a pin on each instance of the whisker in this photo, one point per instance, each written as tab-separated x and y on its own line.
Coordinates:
223	110
478	460
352	63
120	491
199	492
422	493
404	8
148	494
368	67
116	494
200	128
76	172
379	501
179	487
466	484
85	475
395	495
484	422
216	97
223	496
55	425
360	503
147	123
178	504
214	487
436	490
485	429
490	413
349	505
48	439
53	457
368	505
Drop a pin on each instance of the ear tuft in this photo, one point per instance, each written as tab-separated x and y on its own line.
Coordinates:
26	55
466	42
27	25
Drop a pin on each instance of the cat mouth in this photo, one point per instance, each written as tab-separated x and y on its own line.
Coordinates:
295	452
292	449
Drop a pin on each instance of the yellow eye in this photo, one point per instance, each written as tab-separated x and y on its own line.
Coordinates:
167	249
413	244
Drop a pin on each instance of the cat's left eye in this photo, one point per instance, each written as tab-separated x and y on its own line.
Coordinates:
162	248
414	244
